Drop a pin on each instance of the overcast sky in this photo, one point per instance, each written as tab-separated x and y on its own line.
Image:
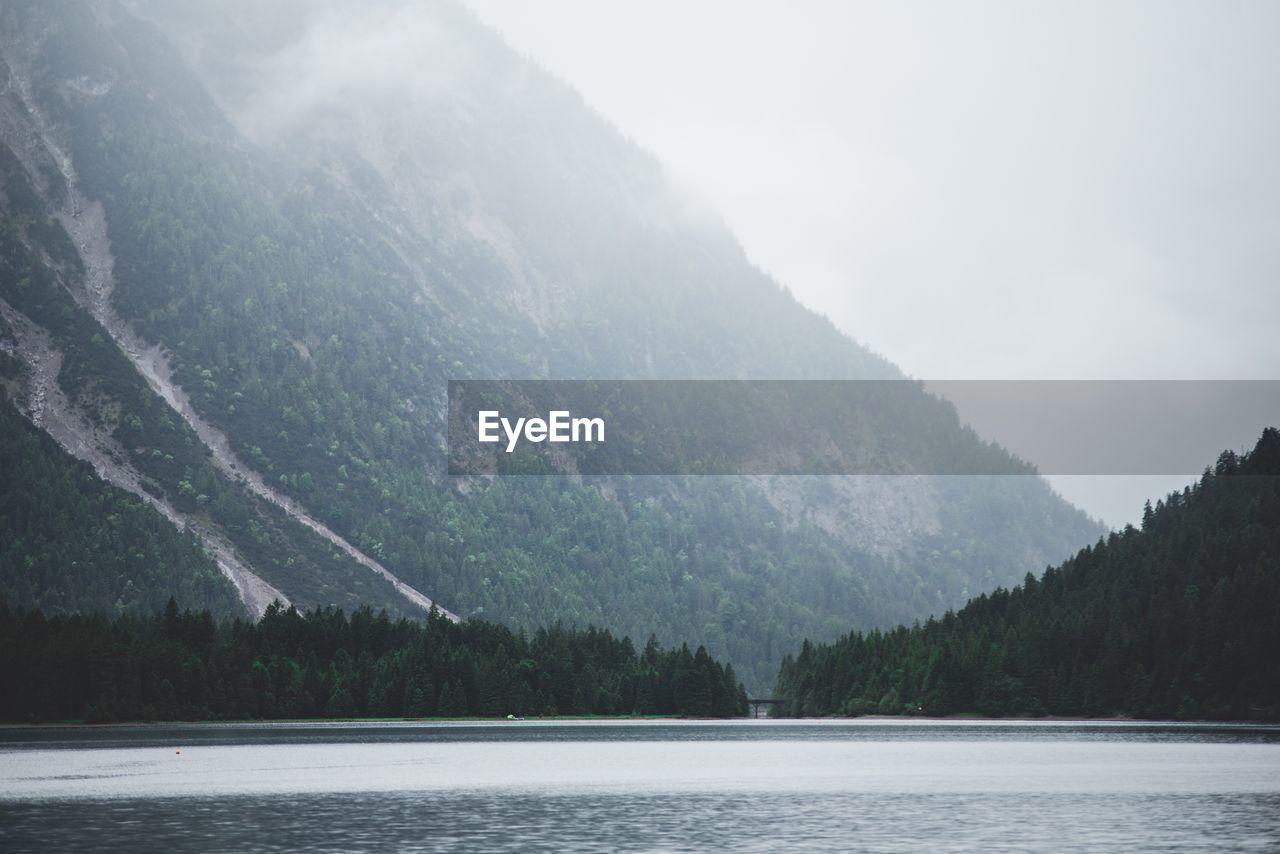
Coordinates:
975	190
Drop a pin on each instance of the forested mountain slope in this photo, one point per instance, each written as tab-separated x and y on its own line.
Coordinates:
252	268
71	543
1178	619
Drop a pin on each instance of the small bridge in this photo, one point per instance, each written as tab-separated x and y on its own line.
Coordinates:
757	706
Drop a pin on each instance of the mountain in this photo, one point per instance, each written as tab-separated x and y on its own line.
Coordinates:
247	244
1176	620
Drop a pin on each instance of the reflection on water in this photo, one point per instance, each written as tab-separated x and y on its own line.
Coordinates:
641	786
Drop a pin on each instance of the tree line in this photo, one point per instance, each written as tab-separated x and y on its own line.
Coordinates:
185	665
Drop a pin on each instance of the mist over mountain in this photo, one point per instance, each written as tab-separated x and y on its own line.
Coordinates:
246	245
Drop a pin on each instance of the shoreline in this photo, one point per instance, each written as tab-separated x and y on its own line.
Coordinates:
870	719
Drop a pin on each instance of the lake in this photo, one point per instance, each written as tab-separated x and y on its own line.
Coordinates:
868	785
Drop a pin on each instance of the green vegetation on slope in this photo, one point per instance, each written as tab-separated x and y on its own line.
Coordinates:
1180	619
69	542
98	378
186	666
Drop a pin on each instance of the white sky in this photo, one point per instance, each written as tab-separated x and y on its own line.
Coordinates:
975	190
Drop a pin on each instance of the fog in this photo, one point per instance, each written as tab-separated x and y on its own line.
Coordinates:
980	190
986	190
380	48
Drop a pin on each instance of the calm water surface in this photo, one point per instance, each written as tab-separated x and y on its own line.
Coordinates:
642	786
